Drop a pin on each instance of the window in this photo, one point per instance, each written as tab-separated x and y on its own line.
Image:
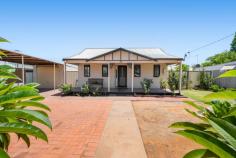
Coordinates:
137	70
86	70
156	71
104	70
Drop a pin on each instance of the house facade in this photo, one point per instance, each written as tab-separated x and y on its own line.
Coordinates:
122	68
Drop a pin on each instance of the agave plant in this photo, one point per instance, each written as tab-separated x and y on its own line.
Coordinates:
19	107
216	131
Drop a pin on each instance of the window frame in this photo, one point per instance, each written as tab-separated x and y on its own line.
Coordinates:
155	68
103	74
85	75
137	66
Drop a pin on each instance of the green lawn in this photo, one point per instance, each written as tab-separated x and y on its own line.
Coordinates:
198	95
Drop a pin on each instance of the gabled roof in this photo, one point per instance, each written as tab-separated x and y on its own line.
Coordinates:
150	53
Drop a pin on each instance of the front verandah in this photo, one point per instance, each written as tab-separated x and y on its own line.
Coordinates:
132	83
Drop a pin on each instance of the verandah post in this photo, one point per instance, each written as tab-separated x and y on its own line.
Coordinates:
54	76
180	77
132	74
64	72
23	69
108	78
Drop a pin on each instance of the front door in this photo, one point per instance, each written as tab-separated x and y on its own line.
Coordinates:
122	76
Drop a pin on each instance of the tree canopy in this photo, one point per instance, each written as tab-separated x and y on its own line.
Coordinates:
233	44
224	57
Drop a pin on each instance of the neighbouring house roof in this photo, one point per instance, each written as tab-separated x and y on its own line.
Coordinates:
220	67
151	53
16	57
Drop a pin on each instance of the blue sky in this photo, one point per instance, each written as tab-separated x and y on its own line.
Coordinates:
60	28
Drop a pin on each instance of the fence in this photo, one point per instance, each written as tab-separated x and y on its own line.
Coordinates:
193	79
71	77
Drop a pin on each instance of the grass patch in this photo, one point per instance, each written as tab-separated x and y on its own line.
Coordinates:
207	96
197	95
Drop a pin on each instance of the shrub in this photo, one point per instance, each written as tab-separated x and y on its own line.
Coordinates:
216	131
216	88
205	80
65	89
163	84
85	89
173	81
146	85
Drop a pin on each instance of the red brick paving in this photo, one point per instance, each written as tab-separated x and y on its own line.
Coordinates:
78	123
77	128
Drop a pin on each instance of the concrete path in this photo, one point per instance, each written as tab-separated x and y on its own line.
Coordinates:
121	137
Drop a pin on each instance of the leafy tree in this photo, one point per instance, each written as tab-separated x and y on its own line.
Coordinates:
233	44
19	107
185	67
224	57
205	80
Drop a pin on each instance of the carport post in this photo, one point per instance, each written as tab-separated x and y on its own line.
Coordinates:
23	69
54	76
180	77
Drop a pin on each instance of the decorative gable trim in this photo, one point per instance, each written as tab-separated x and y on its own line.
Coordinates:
103	56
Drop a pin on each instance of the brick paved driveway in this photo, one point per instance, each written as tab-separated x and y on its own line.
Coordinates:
77	128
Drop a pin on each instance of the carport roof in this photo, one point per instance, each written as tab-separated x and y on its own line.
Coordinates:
16	57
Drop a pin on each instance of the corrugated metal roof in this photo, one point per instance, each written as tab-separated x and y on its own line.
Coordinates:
16	57
154	53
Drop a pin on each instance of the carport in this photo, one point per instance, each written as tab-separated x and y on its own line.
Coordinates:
48	74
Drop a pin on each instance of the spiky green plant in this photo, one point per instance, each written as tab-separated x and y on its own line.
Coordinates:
216	131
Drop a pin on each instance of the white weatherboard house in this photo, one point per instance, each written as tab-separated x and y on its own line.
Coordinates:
122	68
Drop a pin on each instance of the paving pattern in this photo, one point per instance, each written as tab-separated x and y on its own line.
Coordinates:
79	123
77	128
